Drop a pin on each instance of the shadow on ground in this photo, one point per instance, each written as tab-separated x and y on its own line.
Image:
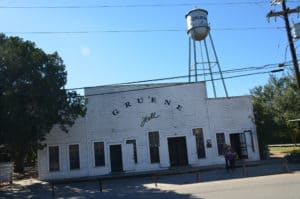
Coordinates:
32	191
117	189
141	187
124	188
241	172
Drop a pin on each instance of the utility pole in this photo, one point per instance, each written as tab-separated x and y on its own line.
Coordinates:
285	13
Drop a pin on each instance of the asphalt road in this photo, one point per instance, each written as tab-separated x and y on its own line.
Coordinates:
263	181
283	186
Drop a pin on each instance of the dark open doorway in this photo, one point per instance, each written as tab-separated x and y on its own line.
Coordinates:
177	151
239	145
116	158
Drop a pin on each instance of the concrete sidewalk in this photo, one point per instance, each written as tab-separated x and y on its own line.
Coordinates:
170	171
135	186
243	169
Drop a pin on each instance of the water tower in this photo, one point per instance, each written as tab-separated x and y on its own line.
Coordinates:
203	64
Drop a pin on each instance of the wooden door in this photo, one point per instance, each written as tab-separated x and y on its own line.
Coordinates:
177	151
116	161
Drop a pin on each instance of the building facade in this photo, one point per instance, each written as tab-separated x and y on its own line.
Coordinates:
134	128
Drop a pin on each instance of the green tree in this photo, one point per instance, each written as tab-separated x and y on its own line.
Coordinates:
32	97
275	104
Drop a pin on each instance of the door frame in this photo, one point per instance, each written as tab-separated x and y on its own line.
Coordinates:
186	159
121	155
242	147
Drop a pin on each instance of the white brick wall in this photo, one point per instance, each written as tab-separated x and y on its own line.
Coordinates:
228	115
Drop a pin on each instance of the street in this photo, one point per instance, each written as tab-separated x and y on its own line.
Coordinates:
274	186
183	186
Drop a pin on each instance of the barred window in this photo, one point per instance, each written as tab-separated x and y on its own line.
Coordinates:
133	142
220	143
198	133
74	156
53	158
154	146
99	154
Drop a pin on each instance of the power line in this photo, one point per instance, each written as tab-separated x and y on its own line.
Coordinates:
249	28
160	85
133	5
136	5
164	85
235	70
96	31
172	84
135	31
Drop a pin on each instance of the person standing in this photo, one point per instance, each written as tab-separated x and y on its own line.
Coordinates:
226	153
231	158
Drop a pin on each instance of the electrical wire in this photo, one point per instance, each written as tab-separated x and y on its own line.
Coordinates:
236	70
164	85
96	31
136	5
171	84
136	31
133	5
159	85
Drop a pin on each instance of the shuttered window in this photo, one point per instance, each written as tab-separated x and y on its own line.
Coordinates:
74	156
220	143
53	158
99	154
133	142
154	146
198	133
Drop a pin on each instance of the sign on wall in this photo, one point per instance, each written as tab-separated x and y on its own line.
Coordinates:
146	100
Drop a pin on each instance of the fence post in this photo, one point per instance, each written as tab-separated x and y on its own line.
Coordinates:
53	191
155	177
198	176
100	185
244	169
285	165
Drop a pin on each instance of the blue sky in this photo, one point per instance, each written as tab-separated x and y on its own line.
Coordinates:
98	58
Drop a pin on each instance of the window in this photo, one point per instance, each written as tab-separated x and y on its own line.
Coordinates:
133	142
249	132
74	156
99	154
198	133
53	158
220	143
154	146
4	154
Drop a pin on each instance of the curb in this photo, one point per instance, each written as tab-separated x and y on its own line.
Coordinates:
156	173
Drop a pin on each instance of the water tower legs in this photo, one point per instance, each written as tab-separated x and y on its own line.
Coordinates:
218	64
208	60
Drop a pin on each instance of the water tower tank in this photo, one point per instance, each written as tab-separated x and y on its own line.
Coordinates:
197	24
296	31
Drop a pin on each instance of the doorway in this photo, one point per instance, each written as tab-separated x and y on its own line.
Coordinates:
239	144
177	151
116	161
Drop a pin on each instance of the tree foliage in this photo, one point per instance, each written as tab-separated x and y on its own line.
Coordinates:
32	97
275	104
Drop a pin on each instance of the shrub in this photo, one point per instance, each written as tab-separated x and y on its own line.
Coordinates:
294	157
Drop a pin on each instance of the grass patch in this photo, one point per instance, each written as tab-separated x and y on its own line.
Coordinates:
284	149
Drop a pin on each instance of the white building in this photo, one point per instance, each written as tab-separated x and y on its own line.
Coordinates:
149	127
